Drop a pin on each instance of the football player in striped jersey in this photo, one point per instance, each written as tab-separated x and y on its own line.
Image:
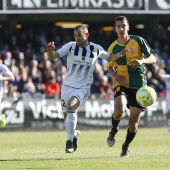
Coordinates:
81	58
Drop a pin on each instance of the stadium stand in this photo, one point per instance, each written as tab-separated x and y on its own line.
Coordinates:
23	51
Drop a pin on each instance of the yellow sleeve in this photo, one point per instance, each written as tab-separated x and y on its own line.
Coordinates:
110	49
111	64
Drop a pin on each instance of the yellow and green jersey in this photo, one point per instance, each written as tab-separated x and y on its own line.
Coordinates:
134	78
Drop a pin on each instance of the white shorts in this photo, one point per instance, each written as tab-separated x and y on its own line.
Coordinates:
67	92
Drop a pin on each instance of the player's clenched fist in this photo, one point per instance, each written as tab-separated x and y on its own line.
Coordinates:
50	46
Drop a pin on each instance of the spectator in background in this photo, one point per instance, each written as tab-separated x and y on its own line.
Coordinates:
52	88
60	74
40	54
29	88
13	86
165	77
42	39
154	81
105	88
8	58
23	77
29	41
94	90
168	67
36	76
98	73
28	53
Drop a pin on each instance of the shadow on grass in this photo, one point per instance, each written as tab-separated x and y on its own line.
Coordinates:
55	159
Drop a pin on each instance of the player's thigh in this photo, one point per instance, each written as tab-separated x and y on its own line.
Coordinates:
65	96
82	95
73	103
134	118
78	96
69	101
72	98
120	104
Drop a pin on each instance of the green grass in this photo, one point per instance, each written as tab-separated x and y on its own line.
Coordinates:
45	150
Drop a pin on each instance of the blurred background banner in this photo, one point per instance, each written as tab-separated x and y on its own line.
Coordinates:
84	6
72	4
159	4
44	114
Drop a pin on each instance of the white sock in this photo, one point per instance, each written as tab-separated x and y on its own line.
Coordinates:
71	122
75	132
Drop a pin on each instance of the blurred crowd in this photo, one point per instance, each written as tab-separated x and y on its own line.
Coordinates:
24	52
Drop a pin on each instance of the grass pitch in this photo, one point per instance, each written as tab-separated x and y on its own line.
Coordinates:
40	150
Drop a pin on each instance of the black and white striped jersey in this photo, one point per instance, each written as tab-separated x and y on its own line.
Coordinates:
81	63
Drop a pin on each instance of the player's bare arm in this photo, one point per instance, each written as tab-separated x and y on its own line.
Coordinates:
118	55
7	78
136	63
52	55
115	77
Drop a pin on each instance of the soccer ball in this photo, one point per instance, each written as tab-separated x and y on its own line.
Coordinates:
146	96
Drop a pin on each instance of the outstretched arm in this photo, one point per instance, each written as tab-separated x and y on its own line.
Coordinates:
7	74
110	56
7	78
118	55
52	55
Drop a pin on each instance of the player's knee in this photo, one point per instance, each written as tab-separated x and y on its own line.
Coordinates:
119	110
117	115
133	128
72	106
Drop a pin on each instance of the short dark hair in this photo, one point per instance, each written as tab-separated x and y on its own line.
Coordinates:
121	18
83	27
